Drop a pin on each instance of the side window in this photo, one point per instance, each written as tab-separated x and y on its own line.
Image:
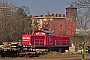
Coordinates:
50	38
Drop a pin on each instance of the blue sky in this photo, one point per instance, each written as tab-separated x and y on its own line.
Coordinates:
38	7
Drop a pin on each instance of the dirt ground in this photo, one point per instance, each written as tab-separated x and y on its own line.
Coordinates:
62	57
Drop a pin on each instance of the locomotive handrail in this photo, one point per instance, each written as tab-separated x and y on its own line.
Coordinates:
61	43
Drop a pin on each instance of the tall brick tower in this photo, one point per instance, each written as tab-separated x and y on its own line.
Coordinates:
71	12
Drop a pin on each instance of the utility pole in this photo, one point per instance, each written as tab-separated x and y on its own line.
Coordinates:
84	50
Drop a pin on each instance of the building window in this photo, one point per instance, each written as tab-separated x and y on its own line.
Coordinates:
66	26
65	32
60	31
61	26
71	31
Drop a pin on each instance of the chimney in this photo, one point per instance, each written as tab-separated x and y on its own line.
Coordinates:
36	16
59	15
56	15
53	15
41	15
63	15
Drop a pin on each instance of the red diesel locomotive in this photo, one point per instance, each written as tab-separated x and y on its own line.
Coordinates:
46	40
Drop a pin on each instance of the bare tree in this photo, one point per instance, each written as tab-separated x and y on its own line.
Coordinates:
83	19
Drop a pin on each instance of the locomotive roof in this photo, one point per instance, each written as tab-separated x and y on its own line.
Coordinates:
47	31
44	31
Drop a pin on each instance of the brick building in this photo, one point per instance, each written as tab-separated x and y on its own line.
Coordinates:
58	23
63	27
